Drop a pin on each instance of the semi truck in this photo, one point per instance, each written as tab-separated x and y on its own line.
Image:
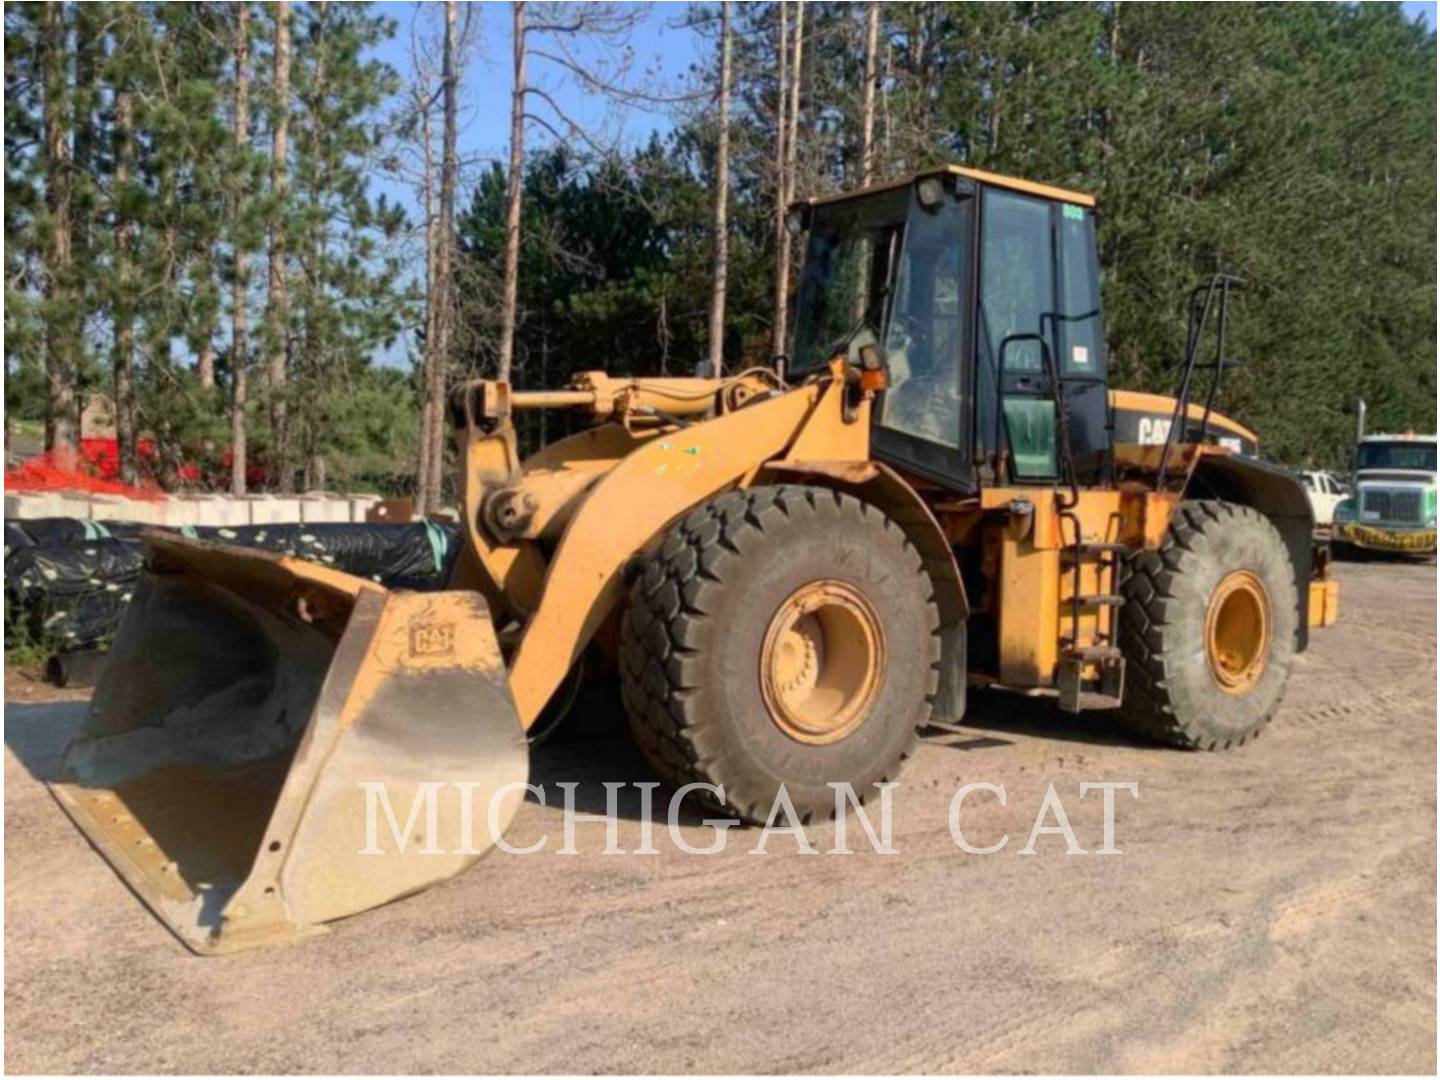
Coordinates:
1393	502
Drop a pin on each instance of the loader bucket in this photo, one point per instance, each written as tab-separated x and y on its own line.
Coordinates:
273	744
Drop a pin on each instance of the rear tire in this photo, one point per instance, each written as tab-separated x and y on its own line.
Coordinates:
1208	628
710	604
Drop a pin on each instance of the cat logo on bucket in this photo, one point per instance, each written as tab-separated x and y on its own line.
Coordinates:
432	639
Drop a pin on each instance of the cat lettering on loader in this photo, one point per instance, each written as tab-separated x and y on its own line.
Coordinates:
793	576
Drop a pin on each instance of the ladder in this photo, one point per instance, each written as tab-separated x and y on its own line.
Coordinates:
1091	671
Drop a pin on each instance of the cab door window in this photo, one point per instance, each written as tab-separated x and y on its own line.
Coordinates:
927	330
1017	300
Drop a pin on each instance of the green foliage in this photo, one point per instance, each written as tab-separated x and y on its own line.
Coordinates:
348	296
159	248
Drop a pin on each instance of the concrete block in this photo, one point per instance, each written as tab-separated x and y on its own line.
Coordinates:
68	503
273	509
120	508
360	506
108	508
215	511
316	507
33	504
181	511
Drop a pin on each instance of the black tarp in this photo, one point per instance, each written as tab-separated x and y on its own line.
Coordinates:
54	531
68	596
67	586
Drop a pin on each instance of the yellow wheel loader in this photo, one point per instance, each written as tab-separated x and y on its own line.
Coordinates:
793	573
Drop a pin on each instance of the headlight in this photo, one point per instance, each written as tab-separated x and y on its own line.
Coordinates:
1345	510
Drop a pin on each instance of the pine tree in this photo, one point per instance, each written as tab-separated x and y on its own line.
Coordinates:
347	298
721	183
277	303
62	304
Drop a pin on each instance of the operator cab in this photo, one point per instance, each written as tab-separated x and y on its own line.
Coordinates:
981	291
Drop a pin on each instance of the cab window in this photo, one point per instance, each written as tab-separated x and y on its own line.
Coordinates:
928	326
1078	316
844	287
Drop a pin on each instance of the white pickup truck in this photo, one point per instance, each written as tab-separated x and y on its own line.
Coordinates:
1326	493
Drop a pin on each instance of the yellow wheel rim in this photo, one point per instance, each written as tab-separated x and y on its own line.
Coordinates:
1237	632
821	662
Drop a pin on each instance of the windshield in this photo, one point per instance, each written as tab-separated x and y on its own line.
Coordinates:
848	263
1396	455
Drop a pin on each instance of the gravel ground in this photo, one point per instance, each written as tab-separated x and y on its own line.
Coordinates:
1273	910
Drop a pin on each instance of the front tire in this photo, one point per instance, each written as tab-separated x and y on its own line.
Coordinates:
780	635
1208	628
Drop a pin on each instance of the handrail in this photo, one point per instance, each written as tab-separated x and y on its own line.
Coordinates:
1220	285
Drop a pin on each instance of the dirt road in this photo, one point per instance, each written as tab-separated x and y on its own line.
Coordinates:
1272	909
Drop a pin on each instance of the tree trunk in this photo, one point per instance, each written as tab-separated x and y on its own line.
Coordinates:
445	315
278	304
123	357
205	366
722	190
778	332
424	460
240	301
88	45
510	286
872	78
61	339
787	179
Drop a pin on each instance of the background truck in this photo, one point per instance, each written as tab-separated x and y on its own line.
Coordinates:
1392	505
1326	493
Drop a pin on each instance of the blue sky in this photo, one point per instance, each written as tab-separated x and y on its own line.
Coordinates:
1427	10
662	53
659	45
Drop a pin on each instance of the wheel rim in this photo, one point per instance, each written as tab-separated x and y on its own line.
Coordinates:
821	662
1237	632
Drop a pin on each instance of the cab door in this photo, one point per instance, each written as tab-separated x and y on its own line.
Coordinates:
1016	345
1039	320
922	423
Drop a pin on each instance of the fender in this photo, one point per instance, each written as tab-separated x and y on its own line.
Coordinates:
1274	491
633	503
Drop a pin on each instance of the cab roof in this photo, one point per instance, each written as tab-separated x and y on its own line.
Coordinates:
980	176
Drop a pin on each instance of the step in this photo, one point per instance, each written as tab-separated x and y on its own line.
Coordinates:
1094	600
1088	550
1075	694
1091	653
